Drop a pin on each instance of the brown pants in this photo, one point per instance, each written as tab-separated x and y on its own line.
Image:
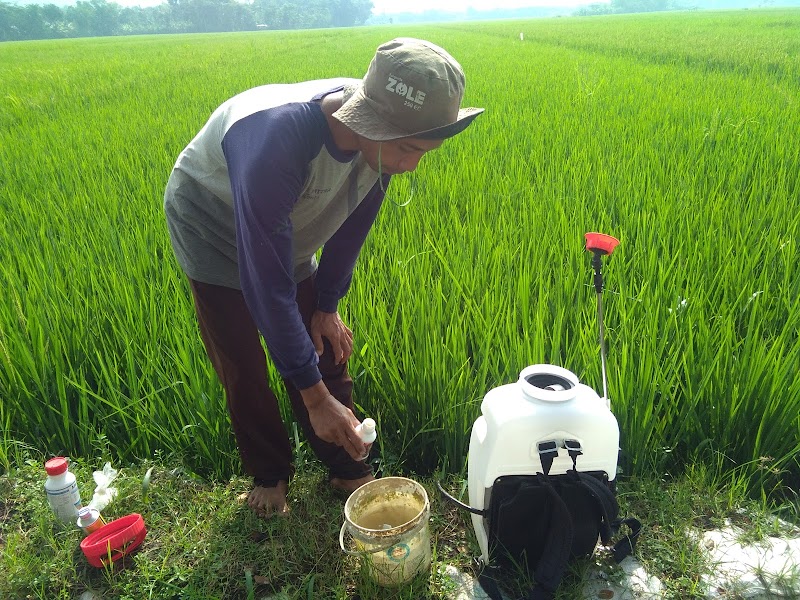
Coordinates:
233	344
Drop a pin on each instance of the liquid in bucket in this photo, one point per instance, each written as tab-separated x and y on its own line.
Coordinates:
388	520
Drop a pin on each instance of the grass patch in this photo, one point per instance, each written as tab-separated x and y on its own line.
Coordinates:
203	543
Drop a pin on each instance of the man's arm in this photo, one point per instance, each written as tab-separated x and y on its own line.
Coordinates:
341	252
267	158
267	155
335	274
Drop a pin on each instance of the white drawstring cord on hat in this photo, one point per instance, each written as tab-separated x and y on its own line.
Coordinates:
380	181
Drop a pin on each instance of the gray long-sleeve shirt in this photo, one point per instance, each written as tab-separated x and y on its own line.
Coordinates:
255	195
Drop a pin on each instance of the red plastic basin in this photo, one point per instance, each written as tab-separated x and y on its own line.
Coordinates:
114	540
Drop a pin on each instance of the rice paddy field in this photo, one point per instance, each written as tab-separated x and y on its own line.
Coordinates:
676	133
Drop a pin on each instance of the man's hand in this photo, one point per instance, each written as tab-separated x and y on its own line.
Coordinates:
332	421
330	326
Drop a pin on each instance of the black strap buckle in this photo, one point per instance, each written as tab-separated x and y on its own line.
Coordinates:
547	453
574	450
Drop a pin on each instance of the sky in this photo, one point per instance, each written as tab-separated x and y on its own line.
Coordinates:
395	6
399	6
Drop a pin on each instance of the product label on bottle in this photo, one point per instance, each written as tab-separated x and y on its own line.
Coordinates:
93	522
65	502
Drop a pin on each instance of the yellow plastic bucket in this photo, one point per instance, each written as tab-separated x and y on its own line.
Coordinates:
388	520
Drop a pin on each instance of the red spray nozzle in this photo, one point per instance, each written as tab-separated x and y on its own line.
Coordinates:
600	242
602	245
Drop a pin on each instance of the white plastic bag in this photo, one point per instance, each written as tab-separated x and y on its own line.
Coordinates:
103	493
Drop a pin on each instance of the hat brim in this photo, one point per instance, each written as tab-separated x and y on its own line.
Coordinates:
360	117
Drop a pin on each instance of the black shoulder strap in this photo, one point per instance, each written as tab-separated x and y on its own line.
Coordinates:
611	524
488	583
626	545
609	509
555	554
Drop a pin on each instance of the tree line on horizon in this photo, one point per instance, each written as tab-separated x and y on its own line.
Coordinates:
89	18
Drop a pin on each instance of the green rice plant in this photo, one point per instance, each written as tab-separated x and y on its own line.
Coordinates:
673	132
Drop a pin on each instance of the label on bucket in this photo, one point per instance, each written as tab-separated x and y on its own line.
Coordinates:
398	552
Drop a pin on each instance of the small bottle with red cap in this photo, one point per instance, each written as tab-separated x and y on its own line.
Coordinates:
62	489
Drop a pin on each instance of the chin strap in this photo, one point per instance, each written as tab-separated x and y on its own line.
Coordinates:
383	189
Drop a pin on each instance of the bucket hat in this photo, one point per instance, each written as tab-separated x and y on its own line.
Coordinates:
412	88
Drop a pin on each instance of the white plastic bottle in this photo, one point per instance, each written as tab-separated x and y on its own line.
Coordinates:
90	519
62	489
367	433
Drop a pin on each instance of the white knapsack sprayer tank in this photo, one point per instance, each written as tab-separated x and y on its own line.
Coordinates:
546	404
542	466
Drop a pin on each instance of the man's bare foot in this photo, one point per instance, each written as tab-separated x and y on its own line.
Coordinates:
349	485
268	501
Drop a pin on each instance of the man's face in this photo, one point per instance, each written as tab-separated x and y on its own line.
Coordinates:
397	156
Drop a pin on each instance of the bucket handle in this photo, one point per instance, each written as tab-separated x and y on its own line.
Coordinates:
373	550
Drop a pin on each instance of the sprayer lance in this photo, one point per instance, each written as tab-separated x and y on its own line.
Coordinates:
600	244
